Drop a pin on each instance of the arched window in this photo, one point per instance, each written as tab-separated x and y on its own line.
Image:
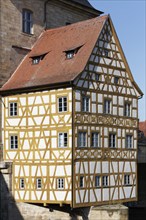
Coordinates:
27	22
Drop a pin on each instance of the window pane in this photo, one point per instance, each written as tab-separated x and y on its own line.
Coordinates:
82	139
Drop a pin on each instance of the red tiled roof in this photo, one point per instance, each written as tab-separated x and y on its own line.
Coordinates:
55	68
142	127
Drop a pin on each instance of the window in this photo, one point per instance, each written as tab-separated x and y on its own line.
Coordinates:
22	184
85	104
128	141
13	109
112	140
70	54
97	77
105	53
105	181
126	179
81	181
127	109
107	106
116	80
94	139
60	183
62	104
38	183
82	139
13	142
62	140
27	23
97	181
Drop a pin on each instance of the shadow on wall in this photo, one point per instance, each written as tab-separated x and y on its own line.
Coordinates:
8	207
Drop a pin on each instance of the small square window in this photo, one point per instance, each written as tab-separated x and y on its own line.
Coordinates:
22	183
62	104
63	140
38	183
60	183
13	109
13	142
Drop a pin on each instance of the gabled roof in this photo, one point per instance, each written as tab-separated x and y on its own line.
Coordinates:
54	68
83	2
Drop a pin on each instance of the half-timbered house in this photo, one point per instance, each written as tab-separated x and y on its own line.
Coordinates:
70	119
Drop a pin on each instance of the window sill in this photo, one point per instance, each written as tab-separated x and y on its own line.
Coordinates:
27	34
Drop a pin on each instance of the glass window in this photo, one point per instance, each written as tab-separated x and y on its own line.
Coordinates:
13	108
116	80
97	181
112	140
63	139
127	109
97	77
62	104
105	181
128	141
94	139
81	181
38	183
82	142
85	104
127	179
107	106
13	142
22	184
27	23
60	183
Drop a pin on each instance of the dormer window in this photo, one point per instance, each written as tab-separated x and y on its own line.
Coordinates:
38	58
35	60
70	54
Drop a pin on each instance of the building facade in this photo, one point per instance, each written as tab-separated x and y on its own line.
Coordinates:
70	119
22	22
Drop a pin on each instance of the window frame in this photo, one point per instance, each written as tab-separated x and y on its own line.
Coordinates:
13	142
38	184
112	140
85	103
81	182
65	140
60	185
27	23
116	80
64	104
127	109
128	143
107	106
105	181
127	179
82	141
95	143
13	110
22	183
97	181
